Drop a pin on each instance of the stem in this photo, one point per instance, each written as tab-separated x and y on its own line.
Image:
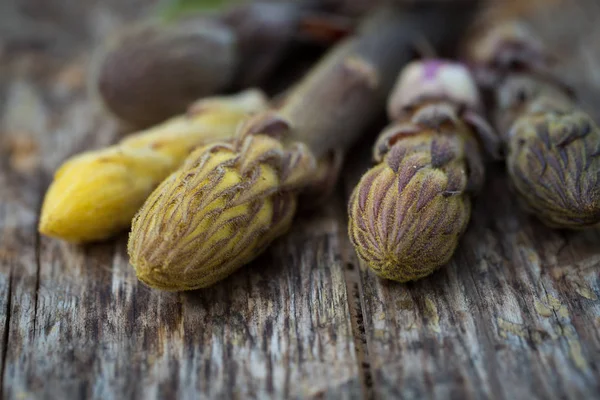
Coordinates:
346	91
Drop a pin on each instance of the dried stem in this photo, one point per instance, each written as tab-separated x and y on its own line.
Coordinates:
334	104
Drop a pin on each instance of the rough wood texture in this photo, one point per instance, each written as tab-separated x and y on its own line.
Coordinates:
81	326
75	323
516	314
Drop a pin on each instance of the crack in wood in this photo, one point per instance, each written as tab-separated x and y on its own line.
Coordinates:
355	303
6	312
38	268
6	334
486	339
358	331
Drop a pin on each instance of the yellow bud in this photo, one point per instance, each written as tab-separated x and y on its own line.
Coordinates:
95	195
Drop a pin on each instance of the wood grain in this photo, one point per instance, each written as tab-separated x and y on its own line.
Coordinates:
515	315
19	203
279	328
76	323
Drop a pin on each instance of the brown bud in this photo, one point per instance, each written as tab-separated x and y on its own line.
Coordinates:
155	70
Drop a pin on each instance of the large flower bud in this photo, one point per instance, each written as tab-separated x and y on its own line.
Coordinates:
407	214
221	209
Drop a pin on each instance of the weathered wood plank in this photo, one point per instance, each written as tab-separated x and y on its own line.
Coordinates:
76	323
19	203
41	123
279	328
515	315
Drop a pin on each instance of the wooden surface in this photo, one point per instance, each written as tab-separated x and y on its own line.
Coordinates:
515	315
